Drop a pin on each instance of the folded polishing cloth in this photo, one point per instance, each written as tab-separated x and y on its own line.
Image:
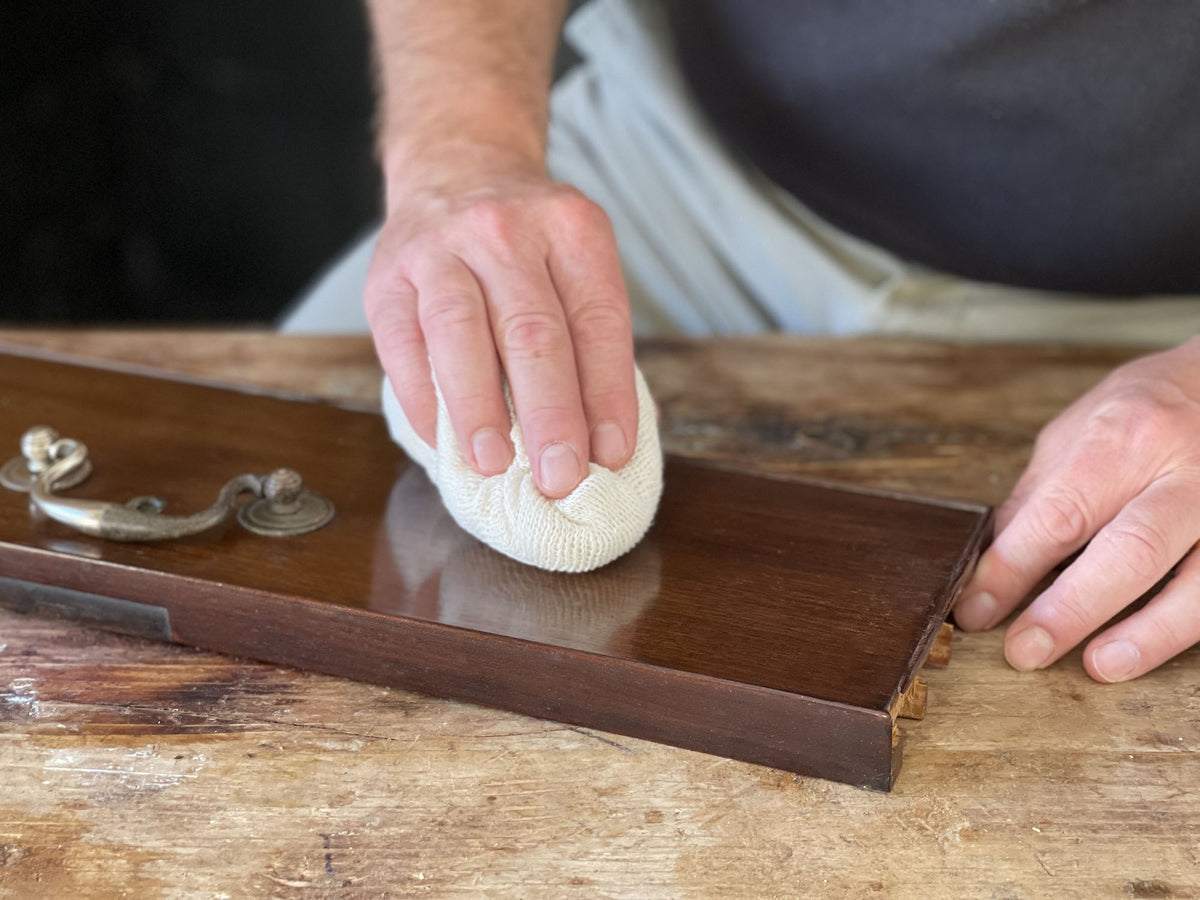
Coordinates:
604	517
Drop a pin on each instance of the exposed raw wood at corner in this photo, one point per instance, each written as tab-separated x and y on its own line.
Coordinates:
939	654
911	704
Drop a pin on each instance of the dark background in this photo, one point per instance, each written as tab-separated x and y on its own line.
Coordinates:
180	160
194	160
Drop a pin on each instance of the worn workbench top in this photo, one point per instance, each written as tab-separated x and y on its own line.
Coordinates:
137	769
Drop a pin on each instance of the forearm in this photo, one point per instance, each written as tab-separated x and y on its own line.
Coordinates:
462	83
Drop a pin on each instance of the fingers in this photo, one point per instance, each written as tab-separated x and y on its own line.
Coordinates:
1123	561
454	320
531	334
1066	508
391	306
523	283
586	271
1165	627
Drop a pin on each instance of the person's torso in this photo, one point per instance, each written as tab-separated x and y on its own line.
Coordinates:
1044	143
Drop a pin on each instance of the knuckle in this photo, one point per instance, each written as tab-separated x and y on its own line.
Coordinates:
448	313
1069	614
580	214
490	217
396	334
384	284
531	334
389	321
601	322
428	244
1139	546
399	338
1136	415
1063	516
499	230
497	226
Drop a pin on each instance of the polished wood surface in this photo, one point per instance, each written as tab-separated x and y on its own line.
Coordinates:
762	618
141	769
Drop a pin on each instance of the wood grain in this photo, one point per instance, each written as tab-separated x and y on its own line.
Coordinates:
137	769
762	618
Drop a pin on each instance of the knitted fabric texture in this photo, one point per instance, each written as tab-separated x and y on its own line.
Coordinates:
603	518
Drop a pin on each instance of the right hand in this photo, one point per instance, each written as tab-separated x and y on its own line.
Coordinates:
485	268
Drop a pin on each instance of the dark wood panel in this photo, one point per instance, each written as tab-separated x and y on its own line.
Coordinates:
766	619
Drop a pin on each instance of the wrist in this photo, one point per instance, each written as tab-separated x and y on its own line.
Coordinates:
459	164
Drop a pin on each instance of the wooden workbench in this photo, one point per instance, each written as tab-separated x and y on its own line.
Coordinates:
136	769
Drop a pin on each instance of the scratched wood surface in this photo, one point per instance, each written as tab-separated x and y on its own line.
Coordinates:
142	770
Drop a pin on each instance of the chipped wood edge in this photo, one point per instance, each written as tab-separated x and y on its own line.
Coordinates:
939	652
911	703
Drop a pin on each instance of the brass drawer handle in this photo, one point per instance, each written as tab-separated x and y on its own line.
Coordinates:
49	463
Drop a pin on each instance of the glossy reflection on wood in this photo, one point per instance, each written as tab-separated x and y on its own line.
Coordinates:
764	619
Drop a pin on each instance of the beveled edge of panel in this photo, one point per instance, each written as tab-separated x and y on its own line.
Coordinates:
678	708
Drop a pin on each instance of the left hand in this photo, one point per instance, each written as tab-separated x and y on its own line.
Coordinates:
1119	468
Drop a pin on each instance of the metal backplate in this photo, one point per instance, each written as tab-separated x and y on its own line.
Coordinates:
17	476
308	512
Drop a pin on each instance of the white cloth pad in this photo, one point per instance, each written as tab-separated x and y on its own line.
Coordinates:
604	517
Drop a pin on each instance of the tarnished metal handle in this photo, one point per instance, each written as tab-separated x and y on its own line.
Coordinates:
49	463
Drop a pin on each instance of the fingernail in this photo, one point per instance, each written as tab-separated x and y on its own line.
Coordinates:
491	451
975	611
608	444
1030	649
1117	660
559	467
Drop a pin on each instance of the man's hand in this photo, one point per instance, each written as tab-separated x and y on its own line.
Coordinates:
493	270
486	265
1120	468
